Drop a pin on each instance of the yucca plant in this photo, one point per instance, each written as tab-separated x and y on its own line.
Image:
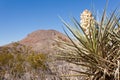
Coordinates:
95	46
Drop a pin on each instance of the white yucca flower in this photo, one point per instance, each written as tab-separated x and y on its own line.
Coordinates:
87	20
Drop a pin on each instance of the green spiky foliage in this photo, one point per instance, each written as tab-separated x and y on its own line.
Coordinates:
98	51
18	59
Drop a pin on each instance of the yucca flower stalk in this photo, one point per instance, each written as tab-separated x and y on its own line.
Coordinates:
87	20
96	45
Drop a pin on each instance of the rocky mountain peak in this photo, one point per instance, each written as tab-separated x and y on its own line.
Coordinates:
43	40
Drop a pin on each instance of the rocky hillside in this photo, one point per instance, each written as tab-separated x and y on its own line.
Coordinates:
44	40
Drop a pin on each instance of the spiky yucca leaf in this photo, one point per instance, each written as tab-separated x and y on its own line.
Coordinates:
98	51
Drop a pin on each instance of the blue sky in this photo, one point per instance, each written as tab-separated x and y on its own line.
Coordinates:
21	17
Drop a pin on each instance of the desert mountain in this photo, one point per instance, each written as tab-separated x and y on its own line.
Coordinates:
44	40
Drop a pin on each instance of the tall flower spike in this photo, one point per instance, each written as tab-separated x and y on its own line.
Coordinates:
87	20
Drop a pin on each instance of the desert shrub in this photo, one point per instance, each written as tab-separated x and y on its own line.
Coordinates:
18	59
37	60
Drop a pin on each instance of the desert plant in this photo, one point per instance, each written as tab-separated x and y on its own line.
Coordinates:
37	65
95	46
17	60
12	61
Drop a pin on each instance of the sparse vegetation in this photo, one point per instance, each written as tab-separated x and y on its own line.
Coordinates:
17	60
